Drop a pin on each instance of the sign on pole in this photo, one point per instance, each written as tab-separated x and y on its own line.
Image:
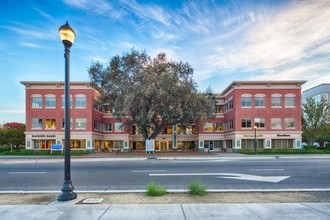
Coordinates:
56	147
147	146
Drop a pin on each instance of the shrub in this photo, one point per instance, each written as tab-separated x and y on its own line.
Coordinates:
310	147
155	190
196	188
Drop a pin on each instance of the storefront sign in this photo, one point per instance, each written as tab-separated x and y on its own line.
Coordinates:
252	135
43	135
283	135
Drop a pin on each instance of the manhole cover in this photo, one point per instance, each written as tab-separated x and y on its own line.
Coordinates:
92	201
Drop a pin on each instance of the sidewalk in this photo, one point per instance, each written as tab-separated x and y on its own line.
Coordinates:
253	211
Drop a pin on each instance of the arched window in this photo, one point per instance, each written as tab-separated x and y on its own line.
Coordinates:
36	101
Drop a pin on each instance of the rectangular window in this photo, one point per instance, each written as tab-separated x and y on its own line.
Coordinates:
231	124
118	127
50	102
208	127
246	123
80	123
290	101
80	102
36	123
108	127
36	102
259	122
219	126
63	123
96	125
119	144
290	123
259	102
50	124
276	123
246	101
276	101
63	102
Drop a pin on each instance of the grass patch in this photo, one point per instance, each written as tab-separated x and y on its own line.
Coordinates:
196	188
155	190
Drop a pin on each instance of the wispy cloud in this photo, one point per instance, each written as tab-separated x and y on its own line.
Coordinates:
29	32
32	45
44	14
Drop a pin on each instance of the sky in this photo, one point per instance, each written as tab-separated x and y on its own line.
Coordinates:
223	40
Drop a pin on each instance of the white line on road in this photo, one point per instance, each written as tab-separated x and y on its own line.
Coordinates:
26	172
267	169
147	171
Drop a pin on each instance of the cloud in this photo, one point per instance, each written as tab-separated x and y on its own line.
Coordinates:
18	110
32	45
29	32
45	15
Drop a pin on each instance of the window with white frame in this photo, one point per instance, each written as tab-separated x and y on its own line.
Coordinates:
246	123
50	123
246	100
118	127
219	126
63	123
107	126
36	101
96	125
80	101
36	123
276	123
290	122
80	123
50	101
276	101
290	101
260	122
259	100
63	101
208	127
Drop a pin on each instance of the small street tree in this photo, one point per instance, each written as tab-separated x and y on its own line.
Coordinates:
150	93
13	134
315	121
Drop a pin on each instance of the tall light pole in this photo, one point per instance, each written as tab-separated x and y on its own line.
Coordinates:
67	36
255	140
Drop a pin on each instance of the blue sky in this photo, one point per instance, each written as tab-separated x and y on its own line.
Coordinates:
223	41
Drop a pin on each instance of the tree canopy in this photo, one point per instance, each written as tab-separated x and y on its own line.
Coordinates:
12	133
150	93
315	121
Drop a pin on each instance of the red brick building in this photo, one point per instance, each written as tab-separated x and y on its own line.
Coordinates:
273	106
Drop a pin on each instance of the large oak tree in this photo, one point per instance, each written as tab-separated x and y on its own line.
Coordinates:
150	93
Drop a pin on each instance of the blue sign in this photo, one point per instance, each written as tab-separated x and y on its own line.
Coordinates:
56	146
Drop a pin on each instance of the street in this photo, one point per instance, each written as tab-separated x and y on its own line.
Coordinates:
265	174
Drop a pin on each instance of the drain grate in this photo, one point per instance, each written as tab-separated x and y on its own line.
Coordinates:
92	201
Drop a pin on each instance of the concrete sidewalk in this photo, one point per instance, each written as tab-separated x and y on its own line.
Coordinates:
253	211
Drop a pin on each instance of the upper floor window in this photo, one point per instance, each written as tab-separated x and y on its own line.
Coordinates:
259	100
208	127
108	126
118	127
290	123
36	101
229	105
290	100
276	123
63	123
219	126
277	101
80	101
246	123
96	125
259	122
63	101
81	123
50	101
246	100
50	124
37	123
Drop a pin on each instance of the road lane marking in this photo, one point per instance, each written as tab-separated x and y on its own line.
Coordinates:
147	171
26	173
267	169
239	176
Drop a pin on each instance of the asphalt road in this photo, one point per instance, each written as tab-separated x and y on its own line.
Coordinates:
174	174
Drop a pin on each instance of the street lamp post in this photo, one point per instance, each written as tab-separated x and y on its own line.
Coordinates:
67	36
255	140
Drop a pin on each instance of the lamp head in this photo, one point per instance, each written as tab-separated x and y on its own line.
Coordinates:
67	34
255	127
